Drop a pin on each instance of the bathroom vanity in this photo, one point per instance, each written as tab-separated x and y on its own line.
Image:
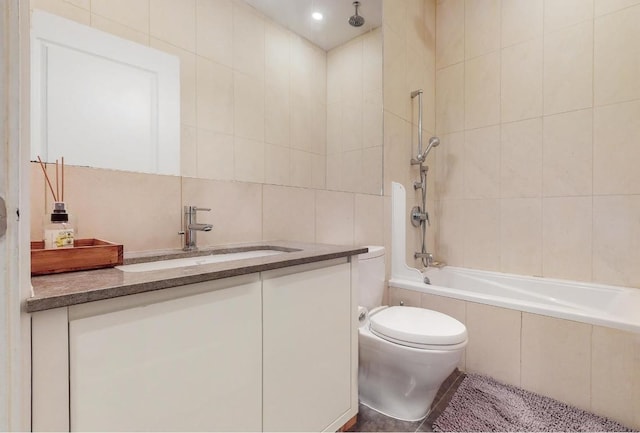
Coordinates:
259	344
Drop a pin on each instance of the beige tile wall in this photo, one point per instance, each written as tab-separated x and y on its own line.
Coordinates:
556	358
498	357
538	108
144	211
591	367
615	375
409	34
354	115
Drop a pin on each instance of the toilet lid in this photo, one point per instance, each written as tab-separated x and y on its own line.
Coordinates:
418	326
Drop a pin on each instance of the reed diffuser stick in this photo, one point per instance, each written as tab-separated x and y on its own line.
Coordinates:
62	189
44	170
57	183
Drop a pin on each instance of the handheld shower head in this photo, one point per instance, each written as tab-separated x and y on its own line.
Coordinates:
356	20
433	142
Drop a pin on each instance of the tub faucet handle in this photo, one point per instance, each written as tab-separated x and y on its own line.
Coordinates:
192	209
429	259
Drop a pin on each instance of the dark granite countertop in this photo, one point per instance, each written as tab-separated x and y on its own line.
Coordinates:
62	290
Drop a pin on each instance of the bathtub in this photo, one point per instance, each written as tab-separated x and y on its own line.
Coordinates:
596	304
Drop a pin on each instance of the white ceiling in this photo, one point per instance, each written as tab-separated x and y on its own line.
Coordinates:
333	30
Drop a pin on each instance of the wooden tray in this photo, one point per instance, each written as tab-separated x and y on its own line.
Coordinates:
85	254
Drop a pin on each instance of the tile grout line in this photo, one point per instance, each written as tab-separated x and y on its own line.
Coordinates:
593	127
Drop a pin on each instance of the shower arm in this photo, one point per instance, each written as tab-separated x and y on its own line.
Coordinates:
420	158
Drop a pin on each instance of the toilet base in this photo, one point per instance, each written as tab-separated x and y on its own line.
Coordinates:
400	381
391	416
394	416
395	406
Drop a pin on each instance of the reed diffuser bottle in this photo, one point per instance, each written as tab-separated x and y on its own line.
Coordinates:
59	231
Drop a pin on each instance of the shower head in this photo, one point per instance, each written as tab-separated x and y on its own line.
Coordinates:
433	142
356	20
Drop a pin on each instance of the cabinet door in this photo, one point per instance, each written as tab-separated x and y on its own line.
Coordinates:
186	364
306	349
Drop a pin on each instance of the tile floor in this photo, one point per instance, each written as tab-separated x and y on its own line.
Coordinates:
371	421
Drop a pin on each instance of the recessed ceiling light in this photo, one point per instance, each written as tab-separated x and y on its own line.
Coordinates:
317	16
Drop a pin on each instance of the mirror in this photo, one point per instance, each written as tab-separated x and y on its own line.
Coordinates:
102	101
354	110
267	94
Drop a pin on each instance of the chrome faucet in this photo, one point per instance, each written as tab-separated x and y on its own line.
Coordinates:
191	227
428	258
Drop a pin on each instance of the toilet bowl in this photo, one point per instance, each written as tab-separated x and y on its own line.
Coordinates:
405	353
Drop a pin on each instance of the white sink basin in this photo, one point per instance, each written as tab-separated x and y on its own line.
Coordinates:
192	261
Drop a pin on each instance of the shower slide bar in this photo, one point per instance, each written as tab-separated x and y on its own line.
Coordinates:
418	93
419	215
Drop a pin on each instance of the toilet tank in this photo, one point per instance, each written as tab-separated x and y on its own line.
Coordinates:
371	279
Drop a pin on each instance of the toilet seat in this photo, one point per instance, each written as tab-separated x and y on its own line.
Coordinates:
419	328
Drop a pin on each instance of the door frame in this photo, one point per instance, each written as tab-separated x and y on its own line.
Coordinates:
14	244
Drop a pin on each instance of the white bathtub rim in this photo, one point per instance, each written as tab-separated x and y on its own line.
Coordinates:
489	276
585	284
591	316
404	276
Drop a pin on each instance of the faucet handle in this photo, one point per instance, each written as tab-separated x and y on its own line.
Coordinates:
193	209
429	259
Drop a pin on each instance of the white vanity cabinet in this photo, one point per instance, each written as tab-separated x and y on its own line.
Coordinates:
307	338
275	351
185	364
185	359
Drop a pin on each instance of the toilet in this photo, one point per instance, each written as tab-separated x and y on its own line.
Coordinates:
405	353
